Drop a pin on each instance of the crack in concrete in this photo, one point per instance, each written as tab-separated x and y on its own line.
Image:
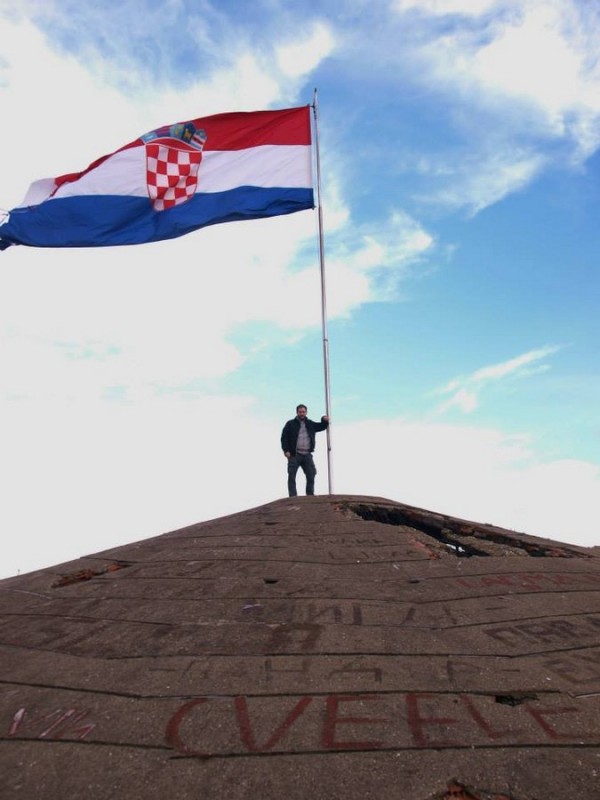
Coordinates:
453	533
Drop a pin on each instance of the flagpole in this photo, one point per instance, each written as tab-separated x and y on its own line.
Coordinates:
323	293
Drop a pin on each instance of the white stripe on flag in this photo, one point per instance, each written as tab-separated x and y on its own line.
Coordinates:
268	166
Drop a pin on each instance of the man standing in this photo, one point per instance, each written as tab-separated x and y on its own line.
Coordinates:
298	443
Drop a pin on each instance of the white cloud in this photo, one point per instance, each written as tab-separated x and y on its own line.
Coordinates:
465	399
98	446
301	57
81	472
504	368
525	87
365	262
84	475
163	316
465	391
146	317
136	470
158	322
38	84
49	134
482	180
443	7
483	475
533	58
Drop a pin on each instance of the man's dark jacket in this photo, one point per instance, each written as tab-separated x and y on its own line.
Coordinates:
289	434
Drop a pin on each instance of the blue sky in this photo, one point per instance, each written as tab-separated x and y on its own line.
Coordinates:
144	388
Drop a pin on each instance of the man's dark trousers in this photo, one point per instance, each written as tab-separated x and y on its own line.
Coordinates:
306	463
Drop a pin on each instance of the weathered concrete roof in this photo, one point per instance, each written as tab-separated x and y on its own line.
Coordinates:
326	647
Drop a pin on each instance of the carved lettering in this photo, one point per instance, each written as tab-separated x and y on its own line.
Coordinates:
306	636
576	668
351	668
547	632
270	669
529	580
313	613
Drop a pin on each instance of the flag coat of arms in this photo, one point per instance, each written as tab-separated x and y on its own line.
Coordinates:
173	180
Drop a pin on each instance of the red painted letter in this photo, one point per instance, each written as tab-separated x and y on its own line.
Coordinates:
331	720
241	708
172	733
417	722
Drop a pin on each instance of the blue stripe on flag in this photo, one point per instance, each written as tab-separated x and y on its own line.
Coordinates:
100	221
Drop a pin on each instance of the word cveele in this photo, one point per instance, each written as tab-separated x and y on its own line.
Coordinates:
208	726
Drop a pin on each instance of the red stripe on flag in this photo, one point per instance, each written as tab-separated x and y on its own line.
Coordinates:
235	130
239	130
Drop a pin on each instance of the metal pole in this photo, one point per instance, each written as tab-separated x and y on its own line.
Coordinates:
323	292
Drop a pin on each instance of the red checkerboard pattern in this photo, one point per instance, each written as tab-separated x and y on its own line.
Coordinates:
171	173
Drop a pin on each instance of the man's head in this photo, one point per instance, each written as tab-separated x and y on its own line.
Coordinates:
301	411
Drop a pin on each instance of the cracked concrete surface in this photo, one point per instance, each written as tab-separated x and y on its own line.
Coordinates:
321	647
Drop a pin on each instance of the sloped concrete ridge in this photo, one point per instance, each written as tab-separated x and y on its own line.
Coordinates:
320	647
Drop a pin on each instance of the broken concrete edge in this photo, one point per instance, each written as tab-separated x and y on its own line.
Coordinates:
444	527
344	503
460	791
87	574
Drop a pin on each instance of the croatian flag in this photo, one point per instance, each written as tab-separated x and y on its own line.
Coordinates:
173	180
